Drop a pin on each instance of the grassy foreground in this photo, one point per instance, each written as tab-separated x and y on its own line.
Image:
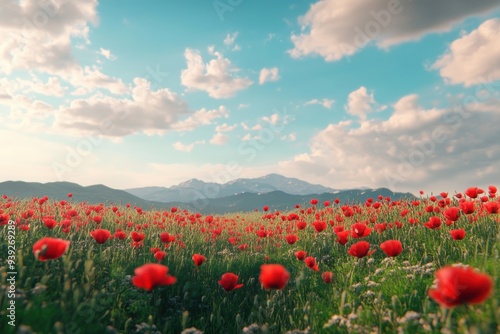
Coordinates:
89	288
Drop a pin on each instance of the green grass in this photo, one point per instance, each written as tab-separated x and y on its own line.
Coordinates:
89	289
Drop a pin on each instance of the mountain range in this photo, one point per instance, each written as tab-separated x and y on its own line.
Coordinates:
276	191
195	189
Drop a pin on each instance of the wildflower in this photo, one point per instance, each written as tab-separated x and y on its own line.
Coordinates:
391	247
360	249
458	285
327	277
100	235
300	255
273	276
50	248
152	275
229	282
360	230
198	259
458	234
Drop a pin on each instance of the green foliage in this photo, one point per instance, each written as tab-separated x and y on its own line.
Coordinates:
89	289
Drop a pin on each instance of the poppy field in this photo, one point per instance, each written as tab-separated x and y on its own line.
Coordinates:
427	264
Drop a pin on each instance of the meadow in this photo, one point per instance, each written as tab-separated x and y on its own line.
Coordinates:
409	266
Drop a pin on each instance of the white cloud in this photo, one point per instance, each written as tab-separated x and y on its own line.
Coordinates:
217	77
38	35
107	54
225	127
230	38
243	106
219	139
183	147
146	111
91	78
26	87
268	74
273	119
416	148
360	102
473	58
230	41
201	117
289	137
246	137
334	29
327	103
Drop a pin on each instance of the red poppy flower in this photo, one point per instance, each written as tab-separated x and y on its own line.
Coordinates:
360	249
433	223
120	235
265	208
337	229
50	248
467	207
243	247
153	250
342	237
391	247
458	234
360	230
4	219
311	263
472	192
300	255
152	275
137	237
198	259
159	255
49	222
492	207
291	239
301	225
452	214
457	285
492	189
273	276
70	195
327	277
380	227
229	282
97	219
100	235
314	201
319	225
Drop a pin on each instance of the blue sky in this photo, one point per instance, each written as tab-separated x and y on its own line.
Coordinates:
394	94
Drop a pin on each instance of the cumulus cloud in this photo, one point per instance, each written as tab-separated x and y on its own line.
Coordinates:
219	139
217	77
201	117
15	86
225	127
473	58
273	119
326	103
414	149
229	41
146	111
107	54
360	103
42	38
334	29
183	147
268	74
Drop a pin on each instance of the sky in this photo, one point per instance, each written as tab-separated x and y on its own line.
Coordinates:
345	93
